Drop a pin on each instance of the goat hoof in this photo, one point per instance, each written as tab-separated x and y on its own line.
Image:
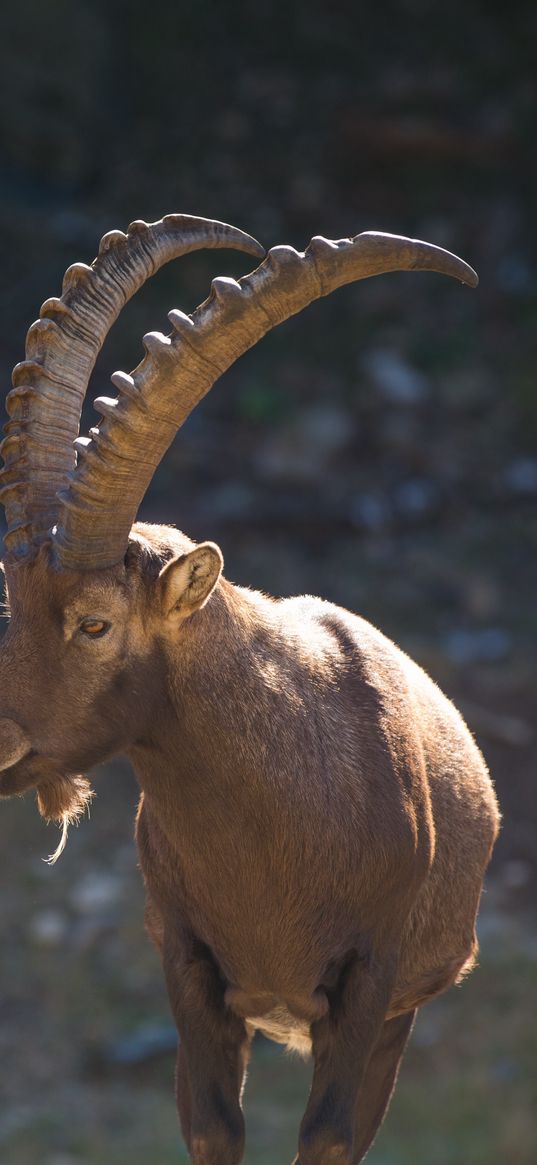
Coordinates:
216	1149
325	1150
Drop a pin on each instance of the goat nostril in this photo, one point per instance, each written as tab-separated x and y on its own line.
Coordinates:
14	743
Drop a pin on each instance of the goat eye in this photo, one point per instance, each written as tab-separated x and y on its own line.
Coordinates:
95	628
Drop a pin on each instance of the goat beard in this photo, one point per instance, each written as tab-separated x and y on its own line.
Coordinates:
63	800
60	798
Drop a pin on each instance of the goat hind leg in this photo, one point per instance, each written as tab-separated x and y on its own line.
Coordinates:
379	1082
342	1044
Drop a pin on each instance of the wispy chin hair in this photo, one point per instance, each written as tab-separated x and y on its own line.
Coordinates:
63	800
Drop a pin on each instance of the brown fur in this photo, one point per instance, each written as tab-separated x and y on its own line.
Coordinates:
314	825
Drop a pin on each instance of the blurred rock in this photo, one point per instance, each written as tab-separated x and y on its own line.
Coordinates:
401	433
482	596
146	1043
126	862
48	928
230	500
327	427
370	511
515	874
521	476
515	275
89	932
233	125
416	497
97	891
306	192
488	722
396	379
482	645
302	449
503	1070
71	227
462	390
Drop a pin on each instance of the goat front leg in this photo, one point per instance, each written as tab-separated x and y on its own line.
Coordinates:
212	1055
182	1089
342	1043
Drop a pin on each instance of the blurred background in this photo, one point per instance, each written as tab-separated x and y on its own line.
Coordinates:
380	450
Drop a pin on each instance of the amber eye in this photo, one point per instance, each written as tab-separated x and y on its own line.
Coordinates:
95	628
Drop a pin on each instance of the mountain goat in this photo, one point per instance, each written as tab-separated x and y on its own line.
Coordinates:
315	818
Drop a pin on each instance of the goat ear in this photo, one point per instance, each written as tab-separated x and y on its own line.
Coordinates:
187	581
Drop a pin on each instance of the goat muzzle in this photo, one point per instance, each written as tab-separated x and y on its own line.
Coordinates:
14	743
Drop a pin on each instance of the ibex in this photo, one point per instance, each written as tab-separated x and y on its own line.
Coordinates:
315	818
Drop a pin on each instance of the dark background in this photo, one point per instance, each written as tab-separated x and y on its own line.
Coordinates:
380	450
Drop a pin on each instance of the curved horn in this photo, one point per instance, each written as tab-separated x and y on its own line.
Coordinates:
117	463
61	348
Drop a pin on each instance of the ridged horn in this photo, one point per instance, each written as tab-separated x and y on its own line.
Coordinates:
61	348
116	464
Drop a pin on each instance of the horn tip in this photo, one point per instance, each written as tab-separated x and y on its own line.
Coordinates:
473	278
256	248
